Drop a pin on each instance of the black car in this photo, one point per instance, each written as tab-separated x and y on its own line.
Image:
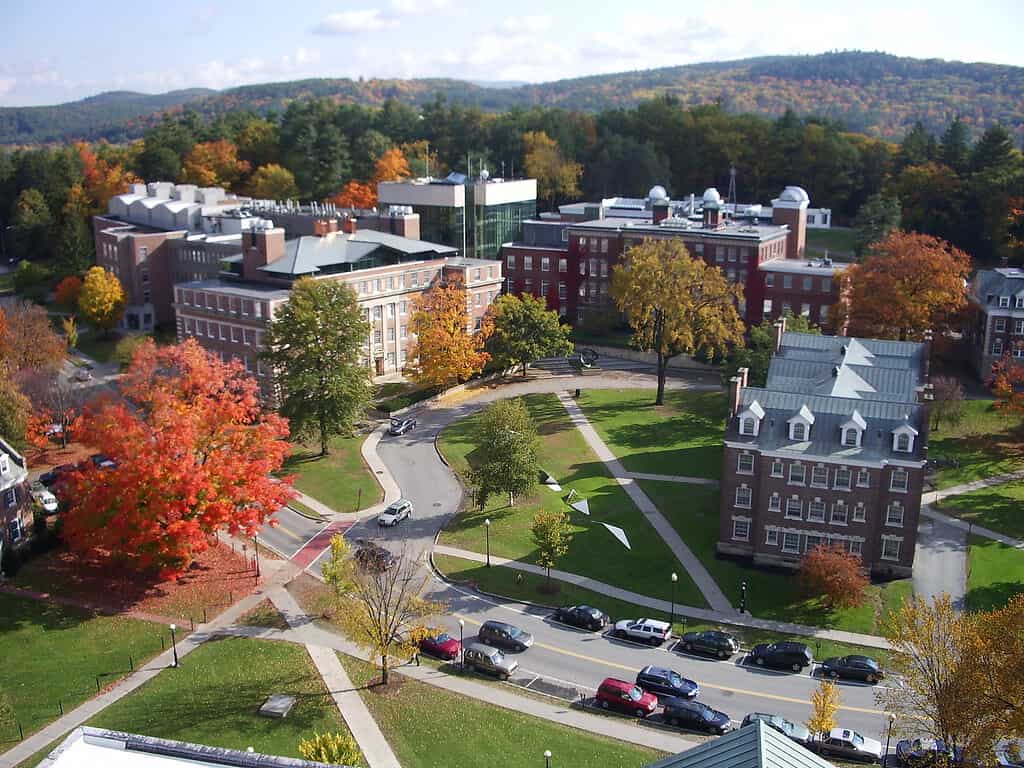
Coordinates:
923	753
49	479
695	716
401	426
853	668
786	655
666	683
720	644
504	636
373	557
794	731
582	616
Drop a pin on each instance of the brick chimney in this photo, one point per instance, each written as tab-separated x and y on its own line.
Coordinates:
323	227
259	248
736	384
404	225
778	329
659	212
790	209
712	216
349	226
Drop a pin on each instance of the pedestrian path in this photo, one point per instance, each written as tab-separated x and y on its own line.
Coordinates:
674	479
940	562
694	567
665	607
970	527
315	547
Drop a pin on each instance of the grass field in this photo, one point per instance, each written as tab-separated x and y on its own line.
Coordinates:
683	437
694	512
427	726
1000	508
264	615
340	480
502	581
54	653
594	551
987	442
995	574
94	344
838	241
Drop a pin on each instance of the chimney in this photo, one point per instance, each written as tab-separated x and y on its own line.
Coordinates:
259	248
406	225
744	374
735	388
323	227
659	212
349	225
712	216
778	328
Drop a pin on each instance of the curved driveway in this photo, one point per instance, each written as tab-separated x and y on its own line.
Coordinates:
579	659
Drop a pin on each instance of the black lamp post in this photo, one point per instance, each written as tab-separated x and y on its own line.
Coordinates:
672	615
174	646
547	758
462	647
743	597
256	548
888	737
487	531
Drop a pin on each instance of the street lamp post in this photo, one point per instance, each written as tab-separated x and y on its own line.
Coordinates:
174	646
672	616
256	548
888	737
547	758
462	647
487	531
743	597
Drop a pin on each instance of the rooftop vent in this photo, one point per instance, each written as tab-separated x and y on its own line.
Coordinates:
835	371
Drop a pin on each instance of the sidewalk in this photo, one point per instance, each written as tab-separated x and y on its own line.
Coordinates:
673	479
663	606
969	527
693	566
934	496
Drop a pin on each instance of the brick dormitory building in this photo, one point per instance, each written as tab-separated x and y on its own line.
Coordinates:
996	299
831	450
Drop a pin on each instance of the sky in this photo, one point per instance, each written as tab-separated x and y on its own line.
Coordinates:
52	52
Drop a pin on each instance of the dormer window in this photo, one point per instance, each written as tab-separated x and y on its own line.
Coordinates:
1004	301
5	464
852	431
800	424
750	419
798	431
903	443
903	438
749	426
850	437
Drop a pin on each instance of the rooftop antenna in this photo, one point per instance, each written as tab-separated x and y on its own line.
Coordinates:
502	169
731	197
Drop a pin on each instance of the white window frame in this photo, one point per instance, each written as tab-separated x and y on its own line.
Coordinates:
799	514
798	431
840	513
778	464
812	540
895	506
856	547
775	503
865	474
744	523
887	540
841	486
748	426
1000	325
899	472
860	512
742	460
771	537
795	549
816	517
803	474
815	482
743	497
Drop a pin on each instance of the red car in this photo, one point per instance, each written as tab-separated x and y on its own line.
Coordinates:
626	697
443	646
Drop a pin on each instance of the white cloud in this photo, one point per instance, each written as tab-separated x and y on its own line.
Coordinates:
418	7
7	84
352	22
533	25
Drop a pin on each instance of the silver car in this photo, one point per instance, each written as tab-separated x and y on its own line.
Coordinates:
395	513
488	660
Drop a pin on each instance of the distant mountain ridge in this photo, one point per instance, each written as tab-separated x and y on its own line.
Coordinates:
874	93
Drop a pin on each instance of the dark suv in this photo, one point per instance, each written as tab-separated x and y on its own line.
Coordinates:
504	635
666	683
853	668
695	716
786	655
720	644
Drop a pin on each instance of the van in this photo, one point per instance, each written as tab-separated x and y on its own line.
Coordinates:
489	660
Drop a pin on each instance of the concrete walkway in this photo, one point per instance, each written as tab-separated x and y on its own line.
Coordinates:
935	496
693	566
971	528
674	479
940	562
663	606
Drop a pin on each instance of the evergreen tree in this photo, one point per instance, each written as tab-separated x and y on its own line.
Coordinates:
954	148
879	216
918	146
993	150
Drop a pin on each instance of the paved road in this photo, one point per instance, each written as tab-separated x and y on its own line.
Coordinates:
293	530
940	563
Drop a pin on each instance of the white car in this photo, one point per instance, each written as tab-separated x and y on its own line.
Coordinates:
844	743
82	374
644	630
43	497
395	513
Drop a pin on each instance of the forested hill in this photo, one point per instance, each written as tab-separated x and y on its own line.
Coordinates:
874	93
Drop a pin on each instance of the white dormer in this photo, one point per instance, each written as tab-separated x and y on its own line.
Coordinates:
800	424
750	419
5	464
851	431
903	438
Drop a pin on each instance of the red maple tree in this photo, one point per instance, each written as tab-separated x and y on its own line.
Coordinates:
194	455
1007	384
835	574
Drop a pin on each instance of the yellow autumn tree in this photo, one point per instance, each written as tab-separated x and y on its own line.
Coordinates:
273	182
675	304
391	166
101	300
557	177
996	642
445	351
824	705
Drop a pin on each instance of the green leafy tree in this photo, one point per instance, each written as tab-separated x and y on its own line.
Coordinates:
557	177
31	222
272	182
525	330
15	411
552	536
315	345
314	148
32	280
879	216
505	459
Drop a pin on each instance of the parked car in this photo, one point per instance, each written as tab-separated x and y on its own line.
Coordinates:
786	655
373	557
43	497
54	430
794	731
922	753
82	374
853	668
582	616
395	513
443	646
49	479
504	635
1010	754
696	716
625	697
103	461
850	745
490	661
401	426
644	630
666	683
716	643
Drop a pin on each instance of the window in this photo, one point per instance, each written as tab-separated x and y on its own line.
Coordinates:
891	548
562	292
743	497
563	265
223	332
404	333
698	248
391	308
378	285
771	537
787	281
812	540
545	264
769	280
797	473
775	503
391	333
850	436
899	480
377	313
10	498
604	245
583	266
767	307
1018	327
816	511
1000	325
1004	301
720	255
808	284
377	336
732	253
997	347
777	468
527	263
593	267
403	307
528	285
859	513
791	542
544	287
1020	302
823	311
745	463
826	285
894	514
798	431
749	426
391	280
741	530
843	477
805	310
477	299
416	276
903	442
856	546
794	508
819	476
839	513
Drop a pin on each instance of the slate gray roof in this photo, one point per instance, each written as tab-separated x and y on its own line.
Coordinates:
754	746
1005	281
310	254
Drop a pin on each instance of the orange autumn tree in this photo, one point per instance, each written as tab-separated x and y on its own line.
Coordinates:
214	164
103	179
195	452
907	284
445	351
67	292
1007	384
834	574
391	166
355	194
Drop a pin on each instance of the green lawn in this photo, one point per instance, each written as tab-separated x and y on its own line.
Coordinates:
1000	508
502	581
53	654
340	480
96	345
987	442
428	726
212	699
995	574
838	241
594	551
683	437
6	282
694	513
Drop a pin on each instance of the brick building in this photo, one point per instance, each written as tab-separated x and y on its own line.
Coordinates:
567	258
831	450
996	298
15	500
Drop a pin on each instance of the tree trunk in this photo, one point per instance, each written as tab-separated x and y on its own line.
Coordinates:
524	368
384	671
324	447
548	585
511	499
662	366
